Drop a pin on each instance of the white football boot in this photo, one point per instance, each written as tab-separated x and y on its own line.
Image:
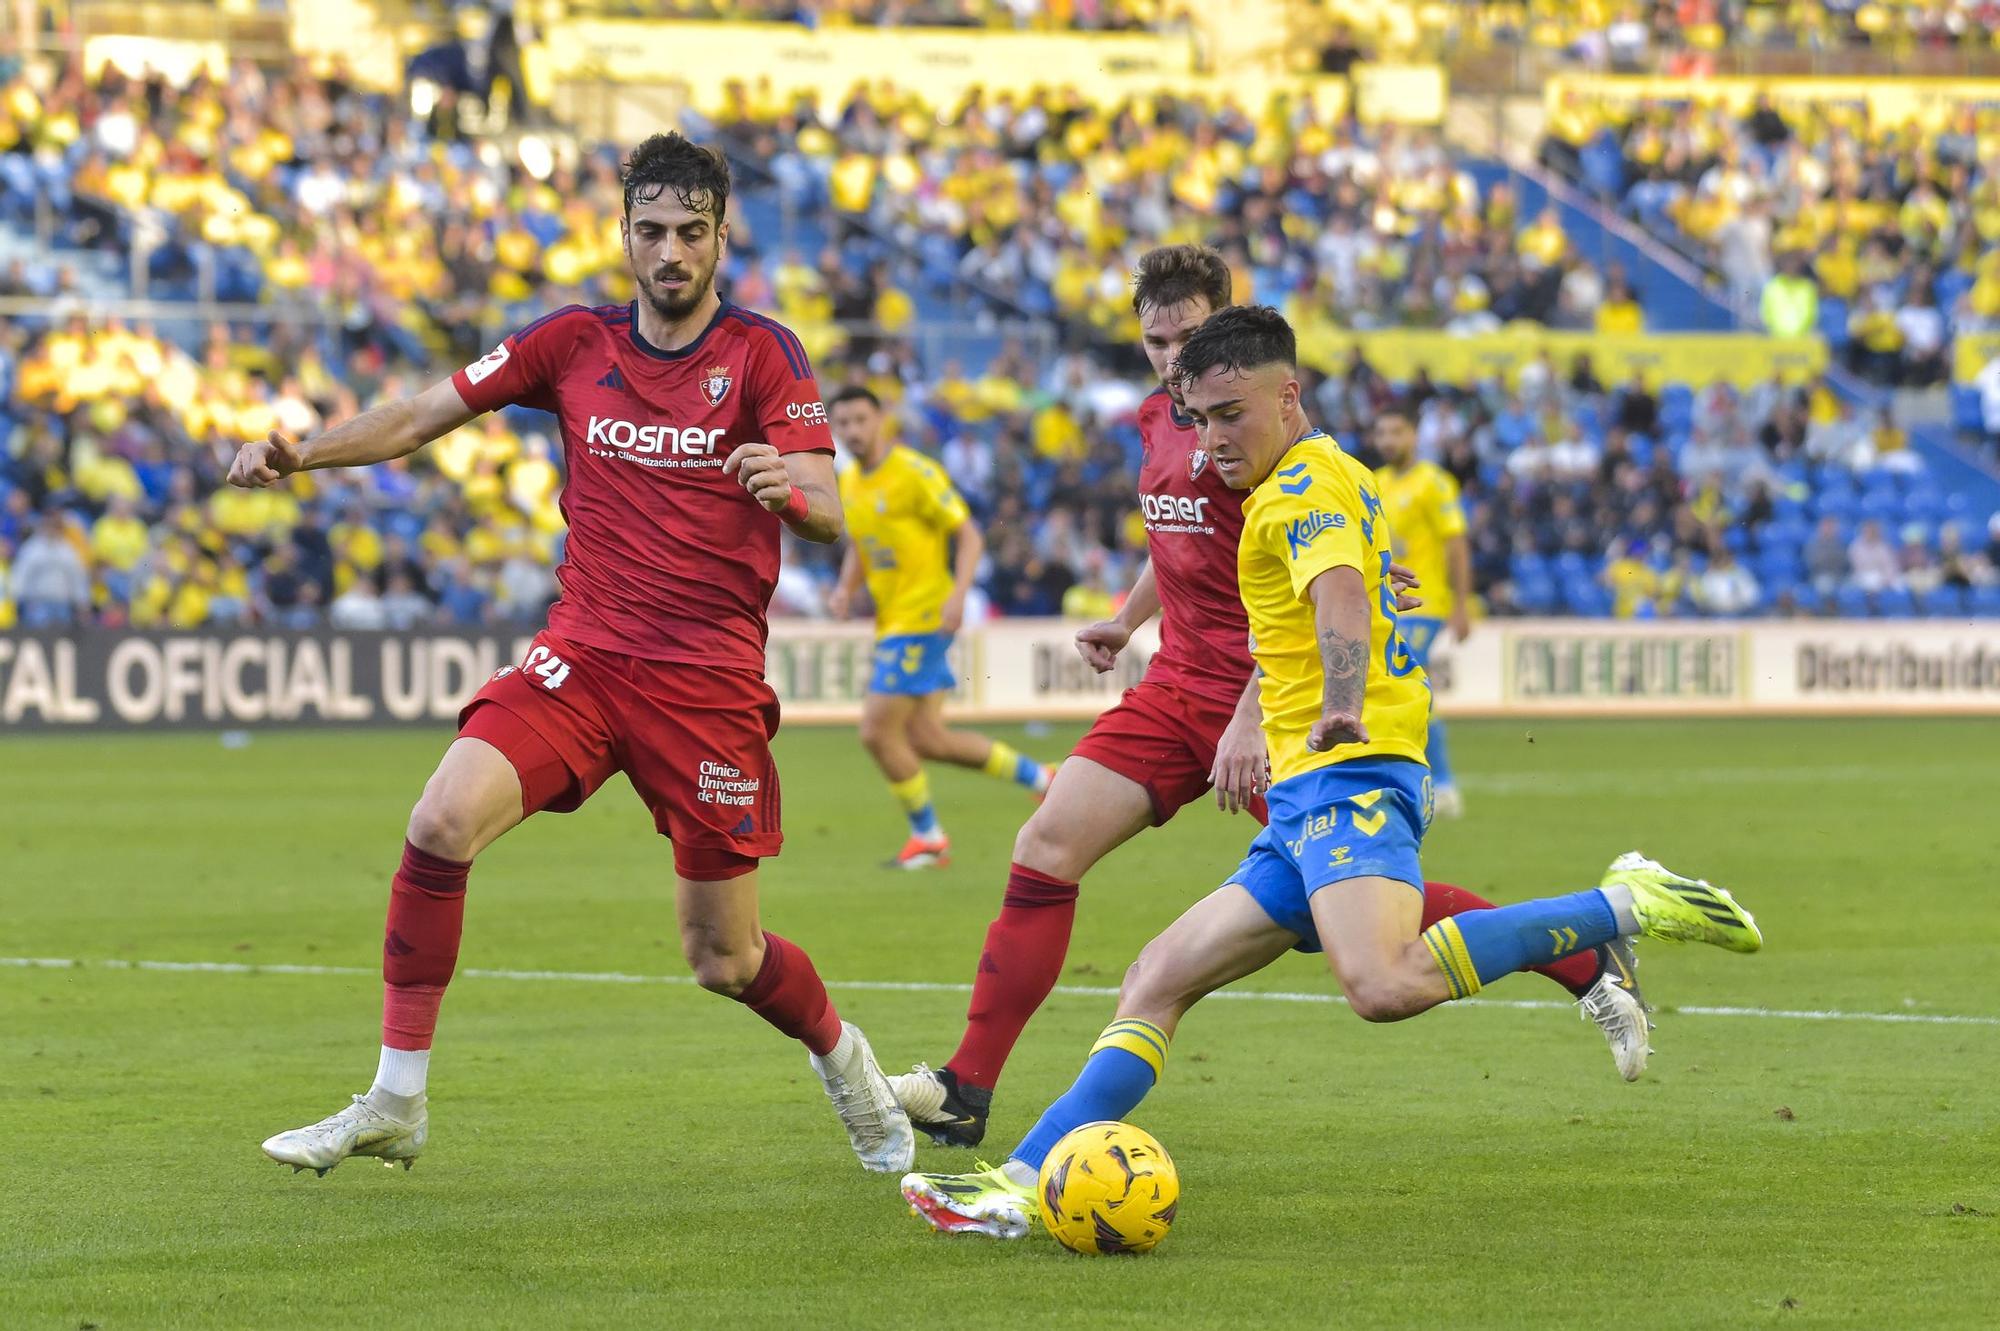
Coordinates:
1619	1009
877	1128
359	1129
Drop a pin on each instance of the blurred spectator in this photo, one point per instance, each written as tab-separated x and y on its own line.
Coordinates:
1891	443
359	607
1915	567
1988	384
49	582
1922	327
1725	587
1790	304
1871	560
402	605
1959	567
1826	558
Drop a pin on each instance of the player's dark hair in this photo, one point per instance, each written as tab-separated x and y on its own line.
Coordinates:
1240	338
1173	274
856	393
697	175
1399	407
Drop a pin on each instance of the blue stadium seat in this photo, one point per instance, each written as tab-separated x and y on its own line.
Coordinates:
1966	415
1879	507
1530	564
1833	321
1923	504
1851	603
1536	595
1587	599
1778	567
1949	603
1895	603
1603	165
1986	601
1836	504
1949	286
1676	409
1787	533
1572	567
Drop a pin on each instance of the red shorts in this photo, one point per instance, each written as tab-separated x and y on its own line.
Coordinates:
1162	738
694	740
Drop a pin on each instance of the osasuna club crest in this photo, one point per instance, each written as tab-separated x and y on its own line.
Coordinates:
1197	464
715	383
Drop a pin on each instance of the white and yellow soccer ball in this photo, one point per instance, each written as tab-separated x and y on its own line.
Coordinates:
1108	1188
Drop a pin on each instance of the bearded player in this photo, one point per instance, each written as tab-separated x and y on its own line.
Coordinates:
692	429
901	511
1345	709
1191	724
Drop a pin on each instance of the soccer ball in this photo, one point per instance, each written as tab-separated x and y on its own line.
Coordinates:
1108	1188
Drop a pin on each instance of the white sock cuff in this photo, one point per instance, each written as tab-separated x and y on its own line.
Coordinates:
403	1071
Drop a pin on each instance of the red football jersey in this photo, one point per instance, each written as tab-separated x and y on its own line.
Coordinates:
667	559
1193	524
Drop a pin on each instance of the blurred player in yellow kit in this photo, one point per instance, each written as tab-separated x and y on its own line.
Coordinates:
1421	499
903	513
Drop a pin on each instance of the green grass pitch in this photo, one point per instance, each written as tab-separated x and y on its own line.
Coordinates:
648	1155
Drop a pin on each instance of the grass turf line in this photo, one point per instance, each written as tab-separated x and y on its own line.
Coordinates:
657	1155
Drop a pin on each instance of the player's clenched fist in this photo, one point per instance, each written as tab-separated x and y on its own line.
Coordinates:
263	462
761	470
1101	642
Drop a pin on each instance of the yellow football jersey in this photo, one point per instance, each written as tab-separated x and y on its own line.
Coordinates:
1319	510
1424	513
901	515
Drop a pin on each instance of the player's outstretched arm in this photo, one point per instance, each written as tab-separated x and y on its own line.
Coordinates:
1458	564
968	548
1340	623
798	487
391	430
1100	643
848	586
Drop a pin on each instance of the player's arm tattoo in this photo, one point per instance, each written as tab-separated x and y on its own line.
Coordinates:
1344	660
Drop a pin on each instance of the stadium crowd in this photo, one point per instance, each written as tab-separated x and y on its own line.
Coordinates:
1049	199
418	250
1032	15
1585	498
1631	36
1885	238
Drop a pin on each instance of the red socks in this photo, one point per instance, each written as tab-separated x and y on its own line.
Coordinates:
788	993
1575	973
1018	967
420	945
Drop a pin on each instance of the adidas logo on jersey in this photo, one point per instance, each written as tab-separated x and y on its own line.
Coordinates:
612	379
